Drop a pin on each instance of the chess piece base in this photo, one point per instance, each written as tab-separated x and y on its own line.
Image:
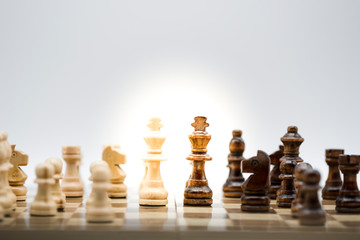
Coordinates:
20	192
255	203
347	210
348	205
312	219
42	209
295	209
233	194
198	202
285	201
72	187
272	191
73	194
117	191
100	215
151	202
233	189
117	195
331	192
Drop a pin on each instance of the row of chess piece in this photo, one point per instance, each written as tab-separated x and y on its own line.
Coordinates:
292	183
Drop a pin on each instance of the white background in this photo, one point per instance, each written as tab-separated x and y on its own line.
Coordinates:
94	72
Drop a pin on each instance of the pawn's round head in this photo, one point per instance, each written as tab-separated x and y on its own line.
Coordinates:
101	174
300	169
311	177
56	163
96	164
44	170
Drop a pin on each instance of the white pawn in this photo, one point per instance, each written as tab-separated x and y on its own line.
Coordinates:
44	203
152	191
56	192
93	166
100	209
7	197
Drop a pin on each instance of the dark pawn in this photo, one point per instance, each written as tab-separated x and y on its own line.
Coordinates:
311	213
197	191
299	182
275	181
333	182
348	200
232	186
292	141
254	198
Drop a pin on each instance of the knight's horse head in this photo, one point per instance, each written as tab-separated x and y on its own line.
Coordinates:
18	158
113	155
260	167
275	157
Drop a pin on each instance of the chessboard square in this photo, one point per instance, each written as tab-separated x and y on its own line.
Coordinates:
205	215
254	216
188	209
232	205
150	215
119	210
334	224
347	217
119	200
328	207
80	210
76	221
193	221
284	211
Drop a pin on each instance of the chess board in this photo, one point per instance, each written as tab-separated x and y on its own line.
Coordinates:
223	220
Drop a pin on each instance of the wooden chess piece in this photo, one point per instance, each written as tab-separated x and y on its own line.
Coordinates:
232	186
311	212
153	192
44	203
113	156
1	213
197	191
333	182
100	209
348	200
292	141
94	165
16	175
72	184
296	205
7	197
255	198
275	181
144	177
58	195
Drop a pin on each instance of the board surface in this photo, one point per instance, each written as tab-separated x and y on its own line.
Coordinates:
223	219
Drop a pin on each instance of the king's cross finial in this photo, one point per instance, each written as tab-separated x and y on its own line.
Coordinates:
200	124
155	124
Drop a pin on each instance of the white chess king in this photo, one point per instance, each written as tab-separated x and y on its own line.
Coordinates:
152	191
